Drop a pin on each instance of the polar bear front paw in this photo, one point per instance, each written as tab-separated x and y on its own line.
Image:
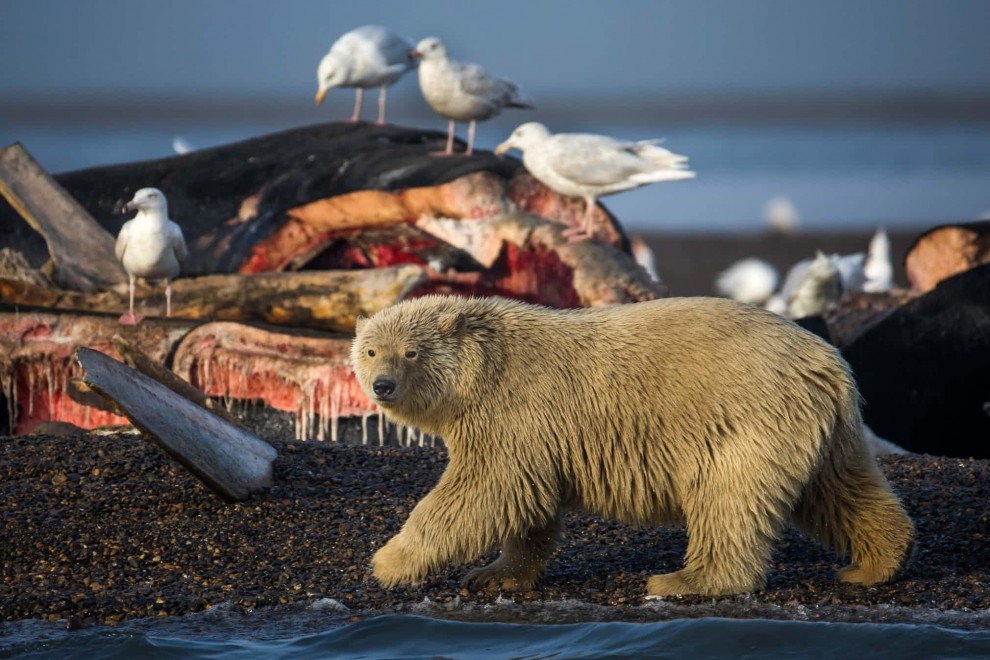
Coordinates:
392	565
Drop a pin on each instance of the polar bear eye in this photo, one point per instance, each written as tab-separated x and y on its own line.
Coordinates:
410	355
371	353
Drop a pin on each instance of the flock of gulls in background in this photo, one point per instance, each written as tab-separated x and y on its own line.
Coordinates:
573	164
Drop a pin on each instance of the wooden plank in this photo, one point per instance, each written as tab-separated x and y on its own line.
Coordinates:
82	250
229	460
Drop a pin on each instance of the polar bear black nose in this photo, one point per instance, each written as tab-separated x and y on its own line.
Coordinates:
383	386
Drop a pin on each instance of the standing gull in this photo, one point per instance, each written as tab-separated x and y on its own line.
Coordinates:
150	246
591	166
461	91
368	56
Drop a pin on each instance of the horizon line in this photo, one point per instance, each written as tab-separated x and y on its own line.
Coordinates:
120	107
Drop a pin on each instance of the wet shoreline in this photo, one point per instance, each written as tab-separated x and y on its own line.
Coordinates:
104	528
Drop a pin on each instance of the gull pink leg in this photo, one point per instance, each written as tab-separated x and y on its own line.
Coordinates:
358	102
381	104
470	147
129	318
449	151
575	234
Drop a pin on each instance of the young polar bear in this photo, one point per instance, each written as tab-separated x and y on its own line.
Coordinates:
697	410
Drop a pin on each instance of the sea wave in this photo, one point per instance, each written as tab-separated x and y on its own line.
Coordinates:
329	630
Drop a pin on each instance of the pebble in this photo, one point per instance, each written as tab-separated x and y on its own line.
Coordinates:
145	538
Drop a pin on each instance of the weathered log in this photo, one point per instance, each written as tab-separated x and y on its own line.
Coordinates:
135	359
946	250
82	251
229	460
313	299
923	372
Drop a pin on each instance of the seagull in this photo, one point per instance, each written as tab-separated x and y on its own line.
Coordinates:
781	215
150	246
644	256
750	281
591	166
878	271
812	287
461	91
368	56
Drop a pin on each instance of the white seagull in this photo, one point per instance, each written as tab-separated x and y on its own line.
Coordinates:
750	281
150	246
591	166
461	91
368	56
878	270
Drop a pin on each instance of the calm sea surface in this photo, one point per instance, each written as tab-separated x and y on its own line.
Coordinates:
317	633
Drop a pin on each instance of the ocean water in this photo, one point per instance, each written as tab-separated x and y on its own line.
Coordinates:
321	632
838	176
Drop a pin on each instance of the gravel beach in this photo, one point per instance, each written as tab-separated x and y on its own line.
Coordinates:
99	528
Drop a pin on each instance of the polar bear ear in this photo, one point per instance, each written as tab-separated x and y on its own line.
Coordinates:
361	320
451	323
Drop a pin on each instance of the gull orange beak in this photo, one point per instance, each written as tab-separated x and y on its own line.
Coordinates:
129	206
319	96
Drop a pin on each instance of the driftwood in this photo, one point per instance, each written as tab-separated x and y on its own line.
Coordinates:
82	251
229	460
135	359
945	251
313	299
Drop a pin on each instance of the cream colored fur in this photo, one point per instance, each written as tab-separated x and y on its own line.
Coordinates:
700	410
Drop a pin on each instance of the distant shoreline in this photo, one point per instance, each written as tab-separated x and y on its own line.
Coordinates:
117	107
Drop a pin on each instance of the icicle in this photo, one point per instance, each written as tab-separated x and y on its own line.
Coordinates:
9	384
322	388
311	411
334	410
50	376
30	379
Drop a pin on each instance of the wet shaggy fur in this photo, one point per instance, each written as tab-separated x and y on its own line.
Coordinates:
696	410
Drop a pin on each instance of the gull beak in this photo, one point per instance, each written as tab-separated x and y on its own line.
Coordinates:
129	206
503	148
415	54
319	96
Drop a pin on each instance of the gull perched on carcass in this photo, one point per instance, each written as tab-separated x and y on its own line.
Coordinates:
461	91
366	57
591	166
